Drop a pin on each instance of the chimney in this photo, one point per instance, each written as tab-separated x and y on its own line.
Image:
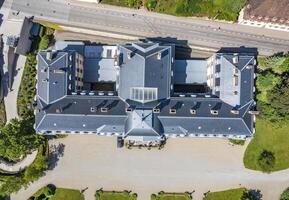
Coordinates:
236	59
159	56
49	55
129	55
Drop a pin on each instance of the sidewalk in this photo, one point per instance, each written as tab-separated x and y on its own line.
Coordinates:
16	167
7	28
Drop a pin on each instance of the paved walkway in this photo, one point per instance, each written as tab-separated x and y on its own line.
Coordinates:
9	167
199	164
7	28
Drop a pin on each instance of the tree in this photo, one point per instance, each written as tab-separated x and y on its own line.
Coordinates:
265	83
17	139
285	195
278	63
266	161
251	195
279	100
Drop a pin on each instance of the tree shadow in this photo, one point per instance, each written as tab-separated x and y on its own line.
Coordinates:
256	194
56	152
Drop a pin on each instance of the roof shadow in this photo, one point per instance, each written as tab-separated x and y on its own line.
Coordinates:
182	48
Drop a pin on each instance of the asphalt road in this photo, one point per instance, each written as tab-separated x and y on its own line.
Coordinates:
146	24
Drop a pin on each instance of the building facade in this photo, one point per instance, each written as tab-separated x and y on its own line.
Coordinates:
141	93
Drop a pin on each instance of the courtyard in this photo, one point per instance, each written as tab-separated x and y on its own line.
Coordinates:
199	164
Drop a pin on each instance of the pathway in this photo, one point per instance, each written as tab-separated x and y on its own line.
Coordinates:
19	166
10	27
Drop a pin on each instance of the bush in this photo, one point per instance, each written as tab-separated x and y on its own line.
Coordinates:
27	90
151	4
153	197
285	195
42	31
237	141
134	3
44	42
266	161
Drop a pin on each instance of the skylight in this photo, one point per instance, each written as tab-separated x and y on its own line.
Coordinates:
143	94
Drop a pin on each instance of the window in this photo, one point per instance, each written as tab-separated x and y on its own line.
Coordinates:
143	94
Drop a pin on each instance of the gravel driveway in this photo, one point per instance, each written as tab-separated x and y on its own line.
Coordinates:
198	164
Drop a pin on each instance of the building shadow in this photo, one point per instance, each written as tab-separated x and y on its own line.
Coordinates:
56	152
1	17
2	75
242	49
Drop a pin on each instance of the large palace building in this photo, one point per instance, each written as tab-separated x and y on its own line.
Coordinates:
141	93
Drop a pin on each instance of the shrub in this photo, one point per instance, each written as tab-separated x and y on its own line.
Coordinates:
285	195
44	42
42	31
266	161
134	3
153	197
151	4
237	141
27	89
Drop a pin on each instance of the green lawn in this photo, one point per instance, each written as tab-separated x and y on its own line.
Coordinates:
272	138
124	3
218	9
62	194
171	196
113	195
65	194
233	194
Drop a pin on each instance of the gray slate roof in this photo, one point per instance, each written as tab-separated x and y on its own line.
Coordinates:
144	69
60	110
52	76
